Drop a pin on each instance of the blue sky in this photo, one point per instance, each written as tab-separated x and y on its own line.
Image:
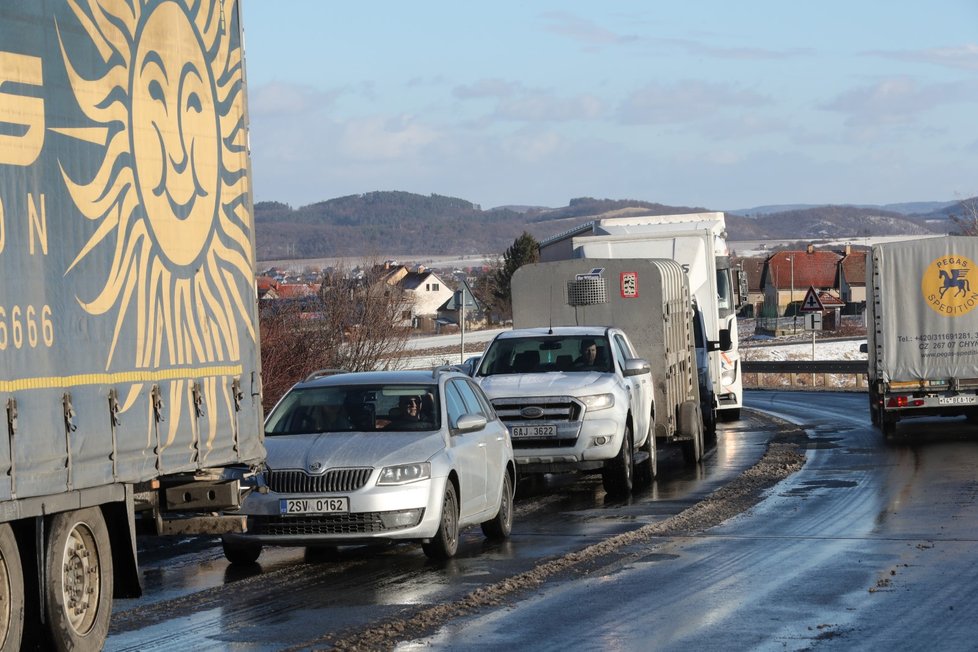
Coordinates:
723	105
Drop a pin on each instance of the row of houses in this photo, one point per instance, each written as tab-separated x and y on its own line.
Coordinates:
427	301
778	283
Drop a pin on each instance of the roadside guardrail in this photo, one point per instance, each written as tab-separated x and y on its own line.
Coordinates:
805	374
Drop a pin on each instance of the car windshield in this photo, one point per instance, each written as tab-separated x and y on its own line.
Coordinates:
547	353
356	408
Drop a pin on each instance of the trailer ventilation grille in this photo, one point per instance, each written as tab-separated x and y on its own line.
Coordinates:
587	291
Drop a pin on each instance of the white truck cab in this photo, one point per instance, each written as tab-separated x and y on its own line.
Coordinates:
573	398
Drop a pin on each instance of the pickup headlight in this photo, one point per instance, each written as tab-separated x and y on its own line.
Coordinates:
404	473
598	401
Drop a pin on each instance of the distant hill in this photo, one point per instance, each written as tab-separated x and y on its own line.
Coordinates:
393	223
906	208
828	222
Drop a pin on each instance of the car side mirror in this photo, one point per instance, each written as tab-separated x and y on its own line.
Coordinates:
637	367
470	423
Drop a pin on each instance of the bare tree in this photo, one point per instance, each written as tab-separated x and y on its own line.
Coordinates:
967	220
356	323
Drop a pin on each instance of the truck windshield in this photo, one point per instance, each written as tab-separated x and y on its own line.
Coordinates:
547	353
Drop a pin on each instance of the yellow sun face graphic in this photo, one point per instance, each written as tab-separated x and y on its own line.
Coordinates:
170	199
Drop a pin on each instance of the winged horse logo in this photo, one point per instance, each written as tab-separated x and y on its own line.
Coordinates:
955	279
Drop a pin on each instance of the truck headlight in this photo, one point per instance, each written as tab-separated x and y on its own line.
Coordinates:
598	401
404	473
728	376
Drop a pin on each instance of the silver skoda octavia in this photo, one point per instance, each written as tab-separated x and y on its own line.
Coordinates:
359	458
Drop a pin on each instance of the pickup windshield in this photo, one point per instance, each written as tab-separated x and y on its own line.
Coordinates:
547	353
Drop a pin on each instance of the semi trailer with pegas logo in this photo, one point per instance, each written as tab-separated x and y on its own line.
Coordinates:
922	329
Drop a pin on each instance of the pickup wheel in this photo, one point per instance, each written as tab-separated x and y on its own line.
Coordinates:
617	476
78	595
499	527
646	470
444	544
241	553
11	591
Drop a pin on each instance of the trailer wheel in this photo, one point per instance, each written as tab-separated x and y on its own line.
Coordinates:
78	594
11	591
691	426
618	474
888	426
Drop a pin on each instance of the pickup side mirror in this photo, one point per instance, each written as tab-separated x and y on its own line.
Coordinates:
470	423
637	367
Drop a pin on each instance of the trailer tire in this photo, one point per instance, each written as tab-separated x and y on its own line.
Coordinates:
11	591
78	591
618	474
691	426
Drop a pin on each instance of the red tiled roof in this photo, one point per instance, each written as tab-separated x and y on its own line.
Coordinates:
854	268
801	269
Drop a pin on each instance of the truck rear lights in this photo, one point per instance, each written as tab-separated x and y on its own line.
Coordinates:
904	401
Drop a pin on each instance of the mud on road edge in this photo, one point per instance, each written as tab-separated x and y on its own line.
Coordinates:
783	457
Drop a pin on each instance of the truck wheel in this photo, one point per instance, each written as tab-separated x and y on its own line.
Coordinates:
646	471
444	544
11	591
732	414
78	595
617	476
888	426
501	524
241	553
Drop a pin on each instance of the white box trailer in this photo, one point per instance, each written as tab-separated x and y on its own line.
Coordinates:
697	241
922	329
650	301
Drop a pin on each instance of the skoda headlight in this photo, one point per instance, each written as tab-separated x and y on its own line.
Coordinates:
598	401
404	473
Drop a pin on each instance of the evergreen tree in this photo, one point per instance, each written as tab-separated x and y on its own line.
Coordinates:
524	250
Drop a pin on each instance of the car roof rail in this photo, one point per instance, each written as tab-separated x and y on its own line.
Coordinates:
319	373
443	369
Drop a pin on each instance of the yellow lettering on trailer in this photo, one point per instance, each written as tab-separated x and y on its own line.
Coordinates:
25	114
37	223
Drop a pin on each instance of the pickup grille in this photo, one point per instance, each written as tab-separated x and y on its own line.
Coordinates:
555	408
294	481
563	411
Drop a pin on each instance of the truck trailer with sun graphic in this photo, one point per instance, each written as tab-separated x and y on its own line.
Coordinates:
922	330
129	359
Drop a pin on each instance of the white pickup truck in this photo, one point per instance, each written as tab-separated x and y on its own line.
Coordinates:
573	398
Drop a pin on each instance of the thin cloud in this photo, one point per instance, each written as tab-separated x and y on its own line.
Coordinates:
963	57
516	102
896	101
584	31
281	98
684	102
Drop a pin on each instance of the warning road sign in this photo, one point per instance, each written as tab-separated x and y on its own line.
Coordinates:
812	303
